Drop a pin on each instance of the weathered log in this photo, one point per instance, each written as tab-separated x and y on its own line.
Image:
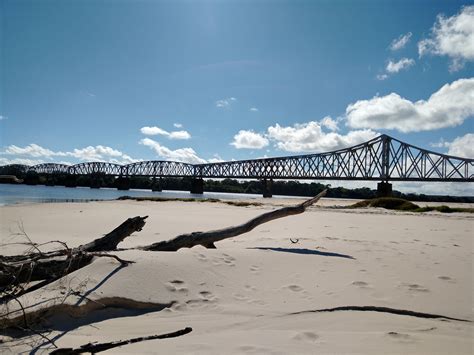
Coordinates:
99	347
19	269
207	239
110	241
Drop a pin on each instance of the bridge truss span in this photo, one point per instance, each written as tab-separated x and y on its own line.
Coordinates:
382	158
159	168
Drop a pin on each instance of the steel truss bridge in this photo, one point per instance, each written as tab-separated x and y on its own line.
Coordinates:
383	159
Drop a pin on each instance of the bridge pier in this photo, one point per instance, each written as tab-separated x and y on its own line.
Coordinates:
95	182
267	188
384	189
122	183
157	184
49	180
197	186
70	181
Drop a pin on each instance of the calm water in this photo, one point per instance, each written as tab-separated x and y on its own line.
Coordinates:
11	194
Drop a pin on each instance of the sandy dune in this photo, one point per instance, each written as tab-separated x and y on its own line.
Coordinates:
254	293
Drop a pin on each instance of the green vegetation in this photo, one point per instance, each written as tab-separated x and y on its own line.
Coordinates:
399	204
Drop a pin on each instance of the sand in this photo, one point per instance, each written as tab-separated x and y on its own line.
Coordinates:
252	293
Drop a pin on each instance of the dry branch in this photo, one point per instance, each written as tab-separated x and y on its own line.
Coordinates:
99	347
207	239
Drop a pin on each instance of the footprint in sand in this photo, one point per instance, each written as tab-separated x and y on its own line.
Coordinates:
201	257
240	297
401	337
176	286
446	278
294	288
308	337
415	287
255	269
360	284
207	295
250	288
206	299
225	259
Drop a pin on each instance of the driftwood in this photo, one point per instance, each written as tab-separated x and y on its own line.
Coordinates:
99	347
207	239
50	266
45	267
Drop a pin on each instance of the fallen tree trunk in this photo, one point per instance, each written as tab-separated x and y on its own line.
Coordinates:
50	266
207	239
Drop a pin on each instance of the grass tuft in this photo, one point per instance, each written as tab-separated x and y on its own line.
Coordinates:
399	204
191	199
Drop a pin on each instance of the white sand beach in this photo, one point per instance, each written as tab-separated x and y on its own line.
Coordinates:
256	293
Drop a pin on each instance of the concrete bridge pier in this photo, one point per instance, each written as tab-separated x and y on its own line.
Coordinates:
267	187
157	184
197	186
384	189
122	183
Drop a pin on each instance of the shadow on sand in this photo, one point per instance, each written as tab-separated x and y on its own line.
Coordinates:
304	252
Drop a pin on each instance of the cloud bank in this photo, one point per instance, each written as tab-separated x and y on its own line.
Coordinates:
449	106
452	37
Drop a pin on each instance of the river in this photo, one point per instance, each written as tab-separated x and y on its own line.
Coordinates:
13	194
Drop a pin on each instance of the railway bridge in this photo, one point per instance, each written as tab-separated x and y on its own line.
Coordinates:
383	159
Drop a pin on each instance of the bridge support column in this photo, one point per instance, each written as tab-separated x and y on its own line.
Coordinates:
70	181
122	183
267	187
157	184
197	186
49	180
384	189
95	182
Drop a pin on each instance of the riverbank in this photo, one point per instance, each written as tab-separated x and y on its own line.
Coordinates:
256	292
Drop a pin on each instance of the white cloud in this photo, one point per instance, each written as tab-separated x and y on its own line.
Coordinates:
447	107
101	153
3	118
460	146
32	150
402	64
90	153
153	131
249	140
382	76
179	135
21	161
216	159
440	144
253	109
185	155
400	42
452	37
225	103
329	123
178	125
309	137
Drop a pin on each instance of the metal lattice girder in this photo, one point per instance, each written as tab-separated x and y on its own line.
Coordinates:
381	158
50	168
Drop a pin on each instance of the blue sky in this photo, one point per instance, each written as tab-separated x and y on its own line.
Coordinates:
208	80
